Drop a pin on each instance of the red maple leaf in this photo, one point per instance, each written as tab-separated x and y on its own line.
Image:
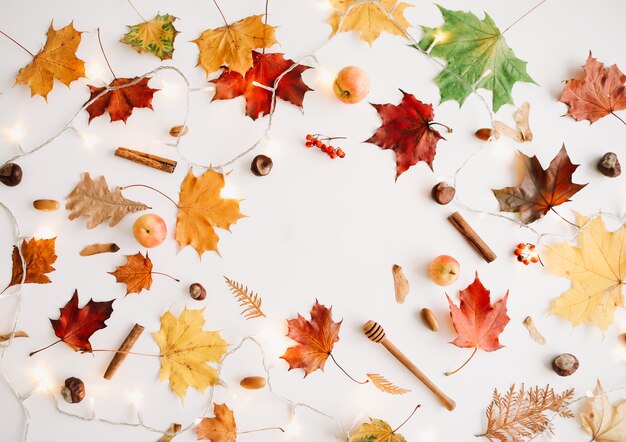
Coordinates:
539	190
120	102
406	129
477	323
599	93
265	70
76	325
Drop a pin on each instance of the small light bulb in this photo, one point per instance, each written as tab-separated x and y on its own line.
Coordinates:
209	88
89	141
326	78
16	134
46	232
293	430
325	5
197	421
94	72
43	381
169	89
134	397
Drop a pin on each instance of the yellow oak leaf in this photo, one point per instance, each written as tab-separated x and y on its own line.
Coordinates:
201	209
57	60
605	422
369	18
596	268
232	45
186	350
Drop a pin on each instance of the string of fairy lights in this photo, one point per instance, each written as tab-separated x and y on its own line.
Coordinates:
43	383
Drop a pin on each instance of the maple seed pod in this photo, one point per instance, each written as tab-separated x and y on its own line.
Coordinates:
46	205
400	283
483	134
565	364
11	174
443	193
261	165
253	382
429	319
179	130
73	391
609	165
197	291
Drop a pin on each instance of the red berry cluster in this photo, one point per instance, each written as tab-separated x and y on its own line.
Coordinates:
321	141
526	253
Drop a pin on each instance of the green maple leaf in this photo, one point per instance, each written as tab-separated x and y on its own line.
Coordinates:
477	54
155	36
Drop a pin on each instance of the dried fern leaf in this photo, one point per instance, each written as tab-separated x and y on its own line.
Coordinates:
383	384
521	414
247	299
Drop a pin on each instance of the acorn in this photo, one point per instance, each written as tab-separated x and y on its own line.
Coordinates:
179	130
73	391
565	364
261	165
443	193
253	382
11	174
197	291
483	134
46	205
609	165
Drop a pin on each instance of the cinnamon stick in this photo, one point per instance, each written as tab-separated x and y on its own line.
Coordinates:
154	161
122	352
472	237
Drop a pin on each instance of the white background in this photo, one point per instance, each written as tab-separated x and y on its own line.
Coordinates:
317	228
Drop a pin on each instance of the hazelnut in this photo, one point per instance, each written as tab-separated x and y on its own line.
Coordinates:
483	134
73	391
197	291
443	193
565	364
261	165
253	382
609	165
179	130
10	174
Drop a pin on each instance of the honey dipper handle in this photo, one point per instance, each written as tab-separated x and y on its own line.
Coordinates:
445	400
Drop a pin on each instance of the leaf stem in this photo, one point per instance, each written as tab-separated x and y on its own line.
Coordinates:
344	371
265	18
44	348
151	188
221	13
136	11
567	221
450	373
165	274
448	128
105	55
261	429
618	117
407	419
14	41
523	16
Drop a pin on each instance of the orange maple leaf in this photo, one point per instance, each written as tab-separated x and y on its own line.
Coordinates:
221	428
477	323
601	92
39	255
137	273
315	338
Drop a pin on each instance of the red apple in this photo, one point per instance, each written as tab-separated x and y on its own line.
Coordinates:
150	230
444	270
351	85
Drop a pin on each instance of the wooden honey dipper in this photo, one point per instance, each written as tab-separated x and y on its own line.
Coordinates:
376	333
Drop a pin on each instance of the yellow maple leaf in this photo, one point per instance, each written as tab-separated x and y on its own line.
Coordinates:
369	18
186	350
201	209
154	36
596	268
605	422
57	60
232	45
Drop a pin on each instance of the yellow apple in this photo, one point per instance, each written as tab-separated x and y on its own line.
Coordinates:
150	230
444	270
352	84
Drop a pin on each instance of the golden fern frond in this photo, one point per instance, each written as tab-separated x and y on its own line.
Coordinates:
521	414
250	300
383	384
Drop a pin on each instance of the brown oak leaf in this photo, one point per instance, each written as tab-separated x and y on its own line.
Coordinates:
407	130
39	255
539	190
315	339
600	93
120	103
266	69
221	428
136	273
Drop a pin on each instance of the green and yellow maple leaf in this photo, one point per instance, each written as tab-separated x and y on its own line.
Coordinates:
477	55
186	350
155	36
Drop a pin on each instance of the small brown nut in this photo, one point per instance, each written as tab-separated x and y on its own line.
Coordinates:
622	339
73	391
483	134
261	165
443	193
565	364
197	291
46	205
253	382
429	319
179	130
10	174
609	165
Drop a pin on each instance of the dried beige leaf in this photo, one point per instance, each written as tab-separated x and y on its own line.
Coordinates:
605	422
533	332
400	283
172	432
521	121
383	384
18	334
92	198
